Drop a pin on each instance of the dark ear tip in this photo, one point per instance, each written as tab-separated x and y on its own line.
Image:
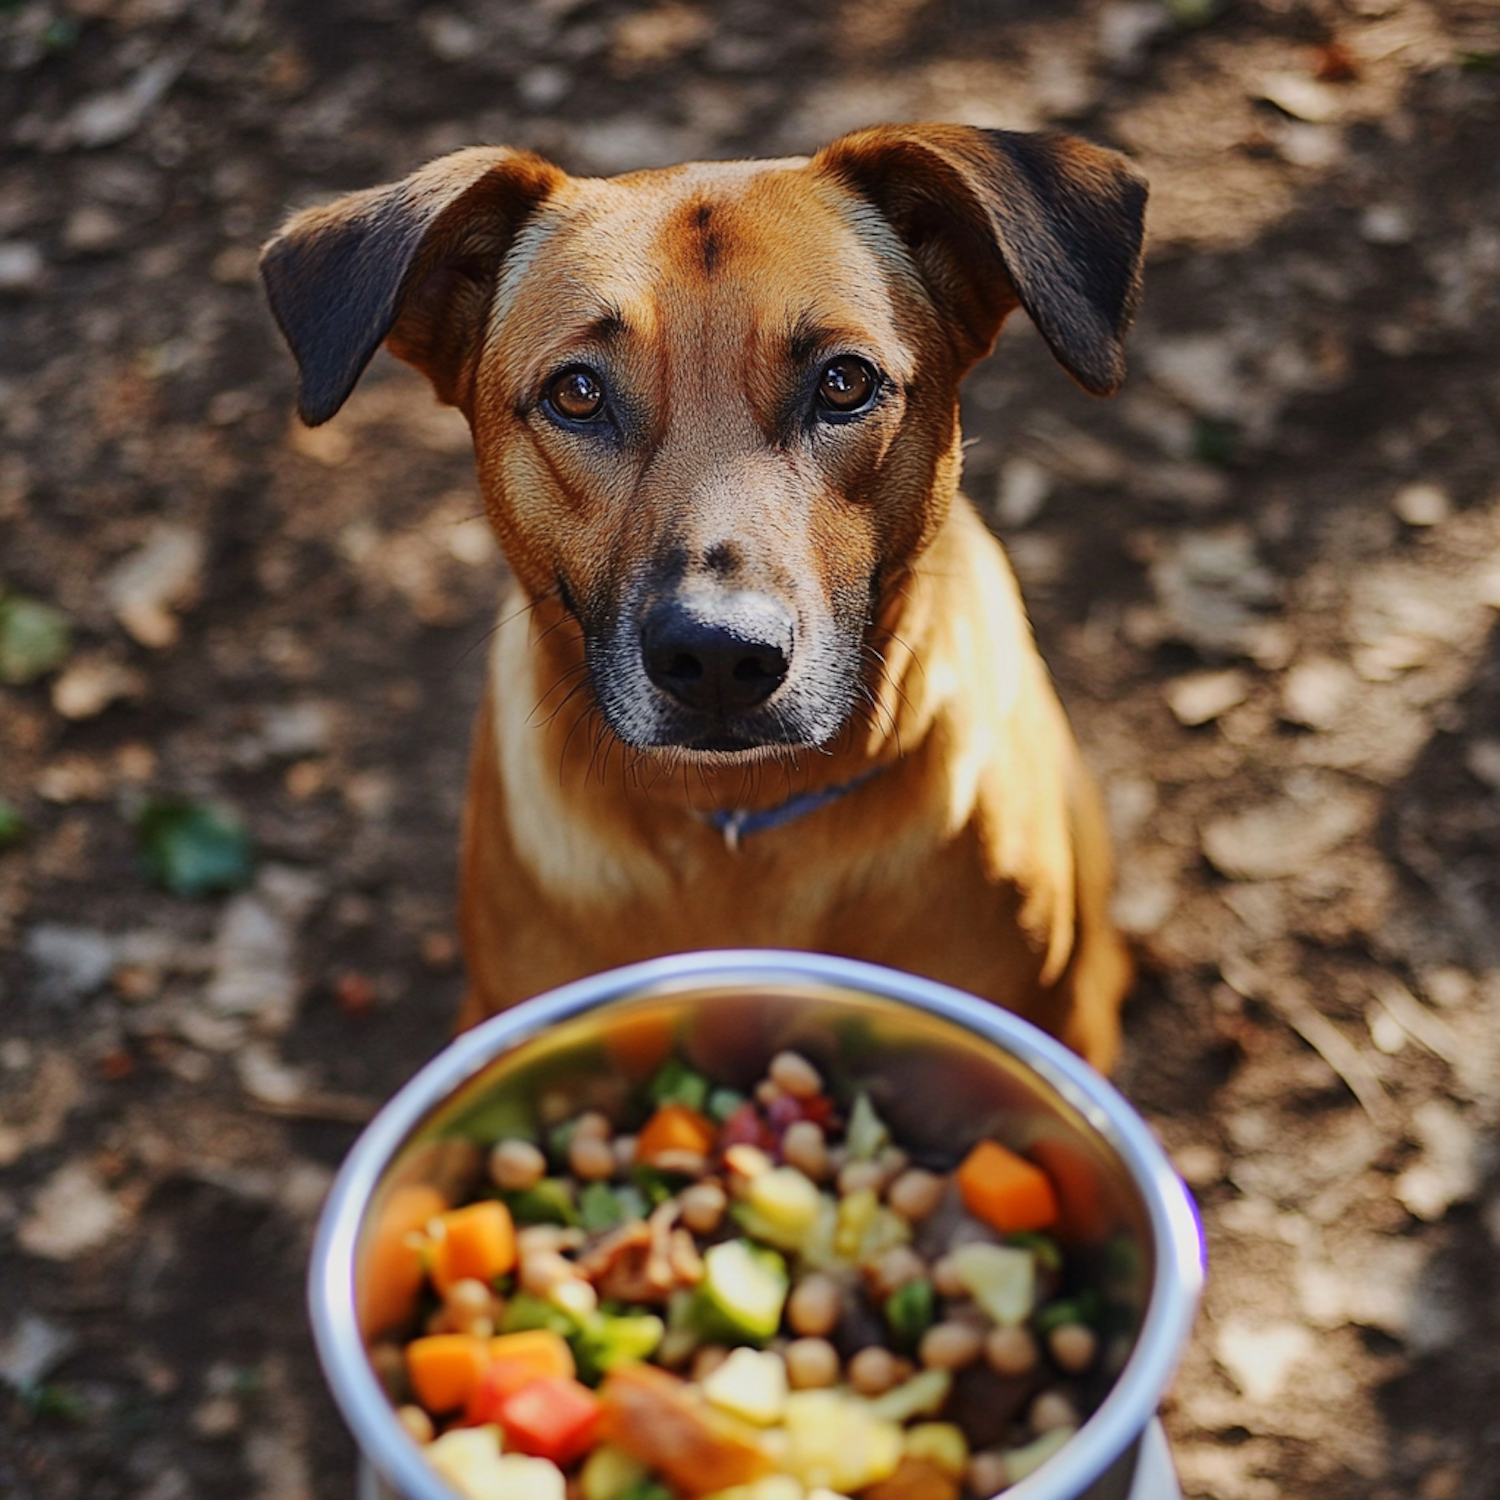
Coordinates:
314	413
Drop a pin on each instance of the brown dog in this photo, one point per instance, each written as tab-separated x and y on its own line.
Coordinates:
764	678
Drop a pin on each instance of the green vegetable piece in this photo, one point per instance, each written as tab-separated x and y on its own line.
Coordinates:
656	1185
1048	1253
193	849
676	1083
909	1312
559	1138
1085	1307
12	826
34	639
599	1208
58	1402
867	1132
647	1489
632	1202
524	1311
722	1103
605	1340
921	1396
743	1291
549	1202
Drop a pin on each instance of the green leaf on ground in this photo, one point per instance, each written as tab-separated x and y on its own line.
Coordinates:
12	826
193	849
34	639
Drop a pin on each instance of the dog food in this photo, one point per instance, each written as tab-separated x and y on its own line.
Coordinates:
761	1296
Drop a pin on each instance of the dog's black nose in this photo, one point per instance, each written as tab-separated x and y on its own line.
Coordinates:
719	655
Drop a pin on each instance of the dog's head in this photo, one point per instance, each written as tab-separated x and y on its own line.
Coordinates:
715	406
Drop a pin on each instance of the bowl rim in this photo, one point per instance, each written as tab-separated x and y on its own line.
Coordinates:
1117	1422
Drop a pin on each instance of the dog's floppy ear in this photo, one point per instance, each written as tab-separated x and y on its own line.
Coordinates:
413	262
999	218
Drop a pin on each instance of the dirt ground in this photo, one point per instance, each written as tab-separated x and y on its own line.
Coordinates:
1266	577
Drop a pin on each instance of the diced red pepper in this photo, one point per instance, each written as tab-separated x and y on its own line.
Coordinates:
552	1417
516	1359
745	1128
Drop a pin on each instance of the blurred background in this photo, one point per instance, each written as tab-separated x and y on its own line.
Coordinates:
238	660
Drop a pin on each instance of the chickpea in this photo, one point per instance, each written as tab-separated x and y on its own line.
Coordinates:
794	1075
1050	1411
874	1370
417	1423
895	1268
541	1270
536	1237
892	1162
767	1093
1011	1351
389	1363
553	1107
575	1296
470	1307
856	1176
950	1346
624	1152
1073	1346
946	1281
703	1206
591	1157
815	1306
803	1146
811	1364
915	1194
516	1165
593	1125
987	1473
747	1161
684	1163
469	1298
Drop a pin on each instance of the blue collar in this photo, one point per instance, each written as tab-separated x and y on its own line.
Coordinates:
734	823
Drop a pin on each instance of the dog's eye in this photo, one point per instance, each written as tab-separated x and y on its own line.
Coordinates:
847	385
577	394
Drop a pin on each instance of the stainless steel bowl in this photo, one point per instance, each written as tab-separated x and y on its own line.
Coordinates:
944	1069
